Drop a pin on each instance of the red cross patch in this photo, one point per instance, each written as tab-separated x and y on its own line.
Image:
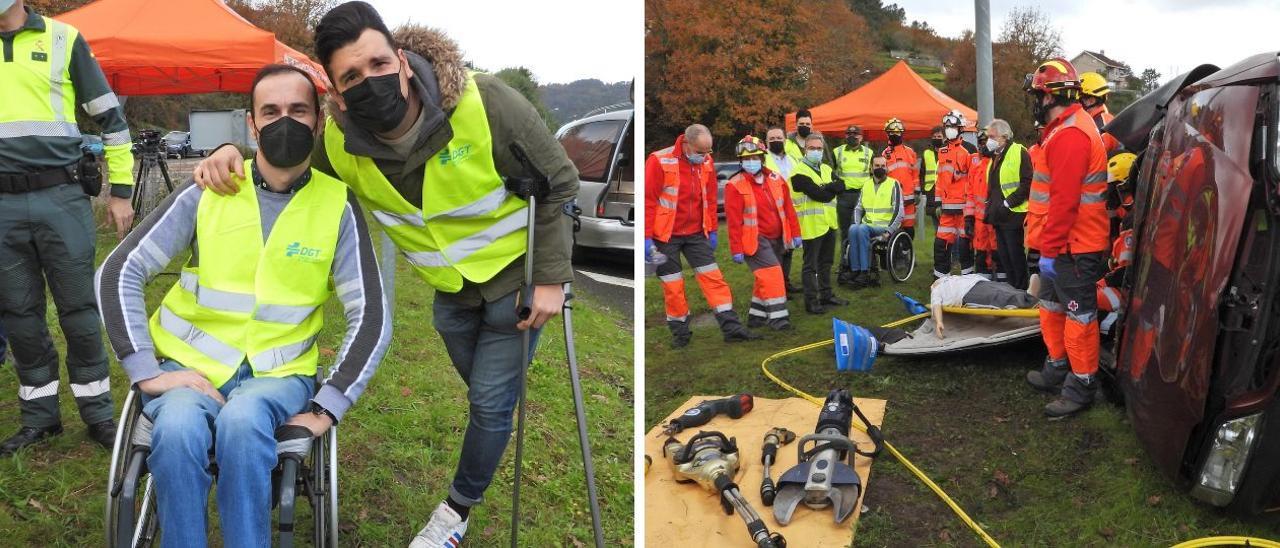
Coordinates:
1073	306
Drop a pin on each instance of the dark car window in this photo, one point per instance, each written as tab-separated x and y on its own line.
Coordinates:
590	147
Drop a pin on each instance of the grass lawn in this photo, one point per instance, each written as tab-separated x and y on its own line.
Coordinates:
970	422
398	445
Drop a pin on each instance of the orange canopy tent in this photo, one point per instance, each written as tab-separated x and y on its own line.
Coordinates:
170	47
898	93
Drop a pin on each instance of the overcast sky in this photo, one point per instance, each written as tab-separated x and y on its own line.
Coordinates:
559	40
1172	36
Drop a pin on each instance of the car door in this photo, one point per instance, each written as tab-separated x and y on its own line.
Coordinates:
593	148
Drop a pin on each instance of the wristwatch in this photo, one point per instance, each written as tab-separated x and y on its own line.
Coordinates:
320	410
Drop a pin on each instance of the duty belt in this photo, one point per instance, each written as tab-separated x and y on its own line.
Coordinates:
11	183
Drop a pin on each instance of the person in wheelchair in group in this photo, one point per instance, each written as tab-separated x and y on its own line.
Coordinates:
230	354
877	216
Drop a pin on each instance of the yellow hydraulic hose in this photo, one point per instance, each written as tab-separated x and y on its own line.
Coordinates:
764	366
1025	313
1229	541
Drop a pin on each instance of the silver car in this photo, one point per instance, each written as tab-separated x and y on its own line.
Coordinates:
601	146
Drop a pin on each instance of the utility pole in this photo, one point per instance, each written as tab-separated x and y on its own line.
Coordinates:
982	43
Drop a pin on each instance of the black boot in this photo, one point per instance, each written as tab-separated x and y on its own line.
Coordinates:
814	307
103	432
680	333
833	300
733	329
780	324
755	322
1077	395
1050	376
872	279
26	436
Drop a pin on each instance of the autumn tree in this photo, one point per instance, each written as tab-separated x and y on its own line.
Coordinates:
740	66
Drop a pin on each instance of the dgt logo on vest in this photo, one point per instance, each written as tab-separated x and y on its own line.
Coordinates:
457	155
301	252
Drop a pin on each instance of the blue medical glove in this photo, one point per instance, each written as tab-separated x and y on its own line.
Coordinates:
648	249
796	242
1046	268
739	258
713	239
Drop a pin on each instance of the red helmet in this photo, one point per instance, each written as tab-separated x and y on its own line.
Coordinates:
1055	76
750	146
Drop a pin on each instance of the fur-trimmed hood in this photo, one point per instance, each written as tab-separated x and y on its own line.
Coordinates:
443	56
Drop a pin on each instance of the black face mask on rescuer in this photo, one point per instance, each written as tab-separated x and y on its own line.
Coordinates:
776	147
895	139
376	104
879	172
803	131
937	143
285	142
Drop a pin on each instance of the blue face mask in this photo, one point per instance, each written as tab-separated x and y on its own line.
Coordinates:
752	166
813	156
696	158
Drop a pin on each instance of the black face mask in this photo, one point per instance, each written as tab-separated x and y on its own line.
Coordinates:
895	139
937	143
285	142
376	104
853	141
803	131
879	172
1041	111
776	147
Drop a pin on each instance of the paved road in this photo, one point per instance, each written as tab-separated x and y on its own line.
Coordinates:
608	276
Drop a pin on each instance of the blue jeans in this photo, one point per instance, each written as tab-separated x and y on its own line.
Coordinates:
484	345
244	449
860	245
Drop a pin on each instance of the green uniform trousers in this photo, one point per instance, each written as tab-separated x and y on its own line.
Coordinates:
47	236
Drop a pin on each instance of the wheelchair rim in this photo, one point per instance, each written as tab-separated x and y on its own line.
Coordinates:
146	527
119	460
902	239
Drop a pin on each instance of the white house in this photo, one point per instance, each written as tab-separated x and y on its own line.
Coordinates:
1114	71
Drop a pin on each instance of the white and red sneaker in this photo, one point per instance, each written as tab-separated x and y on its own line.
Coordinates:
444	530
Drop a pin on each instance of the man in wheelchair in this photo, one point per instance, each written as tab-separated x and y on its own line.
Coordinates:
876	218
230	354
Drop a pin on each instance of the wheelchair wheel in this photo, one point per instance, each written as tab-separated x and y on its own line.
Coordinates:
900	257
323	490
131	500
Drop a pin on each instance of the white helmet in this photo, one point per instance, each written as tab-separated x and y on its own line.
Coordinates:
954	119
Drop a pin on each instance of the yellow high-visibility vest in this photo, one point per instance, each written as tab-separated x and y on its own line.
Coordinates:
815	217
469	227
855	165
249	299
877	202
1011	174
930	160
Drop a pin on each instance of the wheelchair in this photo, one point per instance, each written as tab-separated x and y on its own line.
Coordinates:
897	255
307	468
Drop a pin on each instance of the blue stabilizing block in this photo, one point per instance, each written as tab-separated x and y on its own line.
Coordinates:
856	348
913	306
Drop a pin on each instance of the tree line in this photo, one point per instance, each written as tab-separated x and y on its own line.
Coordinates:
738	67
